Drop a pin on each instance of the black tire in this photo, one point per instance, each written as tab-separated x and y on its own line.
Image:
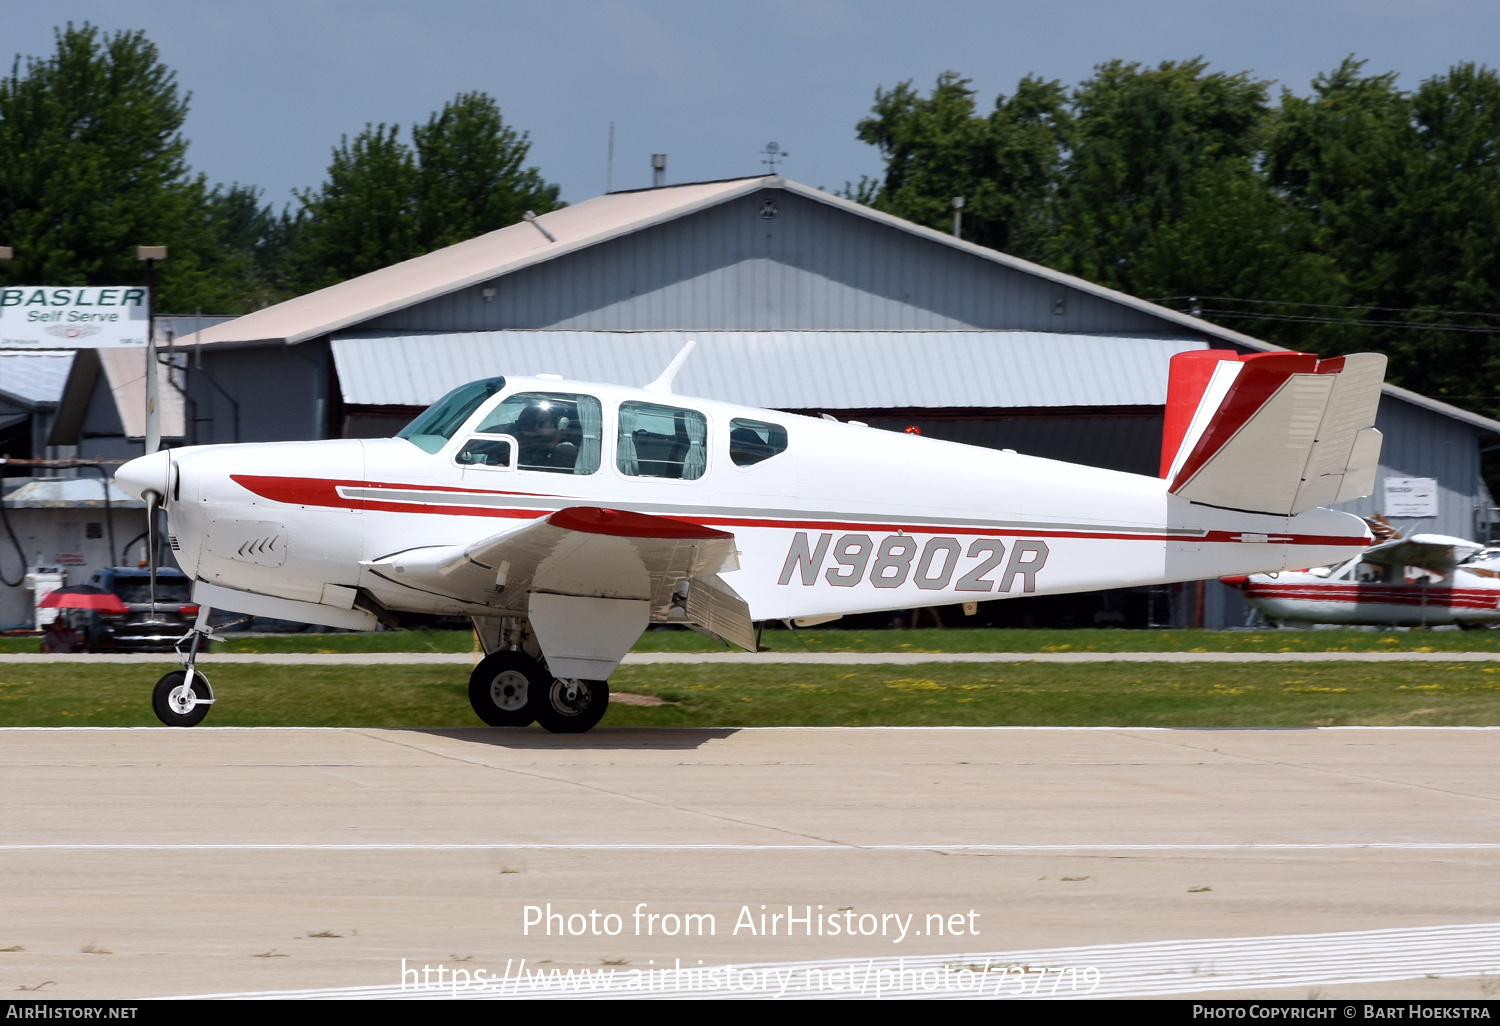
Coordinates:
161	700
502	686
571	706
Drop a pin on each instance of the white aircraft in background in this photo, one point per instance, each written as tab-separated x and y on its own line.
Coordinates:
566	517
1427	580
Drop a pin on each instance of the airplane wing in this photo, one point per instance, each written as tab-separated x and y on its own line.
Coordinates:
1437	552
1272	432
589	552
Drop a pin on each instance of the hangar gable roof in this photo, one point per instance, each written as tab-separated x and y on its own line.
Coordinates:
594	221
358	300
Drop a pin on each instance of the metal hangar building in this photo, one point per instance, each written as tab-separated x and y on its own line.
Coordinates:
799	301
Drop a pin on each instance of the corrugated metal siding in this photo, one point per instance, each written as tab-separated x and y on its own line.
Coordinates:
811	267
1115	442
781	369
34	377
1421	443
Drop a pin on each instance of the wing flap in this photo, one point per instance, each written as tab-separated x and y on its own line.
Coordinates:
718	609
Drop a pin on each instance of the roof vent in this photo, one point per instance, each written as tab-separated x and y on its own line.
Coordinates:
658	170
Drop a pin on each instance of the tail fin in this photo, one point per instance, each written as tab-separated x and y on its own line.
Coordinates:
1271	432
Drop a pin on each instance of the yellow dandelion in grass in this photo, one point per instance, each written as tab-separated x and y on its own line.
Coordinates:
911	684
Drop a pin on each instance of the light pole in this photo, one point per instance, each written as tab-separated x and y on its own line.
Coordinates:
151	254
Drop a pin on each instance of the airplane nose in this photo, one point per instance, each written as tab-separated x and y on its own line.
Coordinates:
146	474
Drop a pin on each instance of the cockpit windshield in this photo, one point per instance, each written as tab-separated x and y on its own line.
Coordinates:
440	421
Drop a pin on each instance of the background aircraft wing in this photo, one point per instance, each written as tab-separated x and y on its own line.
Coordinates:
590	552
1436	552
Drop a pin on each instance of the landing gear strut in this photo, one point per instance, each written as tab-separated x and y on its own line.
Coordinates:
182	698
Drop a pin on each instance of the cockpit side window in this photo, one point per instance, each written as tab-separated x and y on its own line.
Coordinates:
752	441
557	432
1367	572
486	451
440	421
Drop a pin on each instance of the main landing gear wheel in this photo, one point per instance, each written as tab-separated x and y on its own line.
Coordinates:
570	705
501	688
172	705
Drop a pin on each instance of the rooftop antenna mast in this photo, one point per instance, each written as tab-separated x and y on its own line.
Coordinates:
609	172
774	155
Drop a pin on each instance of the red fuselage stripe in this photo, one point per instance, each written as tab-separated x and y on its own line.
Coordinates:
324	492
1380	594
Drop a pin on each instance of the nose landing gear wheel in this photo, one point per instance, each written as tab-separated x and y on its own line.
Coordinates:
501	686
170	701
570	705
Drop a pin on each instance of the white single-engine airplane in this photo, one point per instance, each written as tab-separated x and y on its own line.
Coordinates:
565	517
1427	580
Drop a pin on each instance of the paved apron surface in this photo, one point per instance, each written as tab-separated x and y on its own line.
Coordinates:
145	862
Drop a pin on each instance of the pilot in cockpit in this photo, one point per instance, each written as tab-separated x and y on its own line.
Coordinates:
545	437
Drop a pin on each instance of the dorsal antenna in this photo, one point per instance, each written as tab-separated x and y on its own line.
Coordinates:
663	384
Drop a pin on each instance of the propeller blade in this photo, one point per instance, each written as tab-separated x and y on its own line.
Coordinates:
153	503
153	401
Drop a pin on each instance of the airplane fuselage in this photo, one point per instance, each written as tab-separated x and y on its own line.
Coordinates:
843	519
1465	598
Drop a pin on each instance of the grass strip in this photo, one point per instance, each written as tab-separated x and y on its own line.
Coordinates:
929	694
956	639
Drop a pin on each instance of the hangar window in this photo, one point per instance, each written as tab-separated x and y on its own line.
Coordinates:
556	432
662	441
440	421
751	441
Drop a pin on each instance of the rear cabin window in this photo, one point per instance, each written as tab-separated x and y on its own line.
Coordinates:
440	421
662	441
751	441
556	432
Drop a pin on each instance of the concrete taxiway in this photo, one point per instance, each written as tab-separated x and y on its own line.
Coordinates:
148	862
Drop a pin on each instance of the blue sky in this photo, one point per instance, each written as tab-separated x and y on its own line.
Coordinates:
275	83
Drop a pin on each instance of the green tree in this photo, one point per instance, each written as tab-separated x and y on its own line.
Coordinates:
364	216
1357	217
1005	165
1404	192
1235	238
471	176
1146	144
387	201
95	165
